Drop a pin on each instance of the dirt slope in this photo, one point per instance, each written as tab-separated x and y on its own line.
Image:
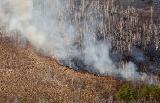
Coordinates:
26	77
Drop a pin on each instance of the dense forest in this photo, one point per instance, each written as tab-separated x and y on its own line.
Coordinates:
132	28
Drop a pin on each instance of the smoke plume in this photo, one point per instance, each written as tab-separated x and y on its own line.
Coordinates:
47	25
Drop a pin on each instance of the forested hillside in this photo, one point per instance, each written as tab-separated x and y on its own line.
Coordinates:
132	28
80	51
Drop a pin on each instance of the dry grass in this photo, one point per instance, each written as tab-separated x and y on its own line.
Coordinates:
26	77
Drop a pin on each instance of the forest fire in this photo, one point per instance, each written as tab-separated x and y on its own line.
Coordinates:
95	36
80	51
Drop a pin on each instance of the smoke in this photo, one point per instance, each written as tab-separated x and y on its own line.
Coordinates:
48	26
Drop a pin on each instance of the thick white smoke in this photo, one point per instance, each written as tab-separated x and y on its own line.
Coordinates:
46	25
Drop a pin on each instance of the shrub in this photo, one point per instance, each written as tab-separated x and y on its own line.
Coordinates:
126	93
155	92
144	91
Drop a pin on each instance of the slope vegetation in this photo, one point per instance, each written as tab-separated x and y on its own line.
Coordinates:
26	76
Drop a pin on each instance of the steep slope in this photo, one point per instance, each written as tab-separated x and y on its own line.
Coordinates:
26	76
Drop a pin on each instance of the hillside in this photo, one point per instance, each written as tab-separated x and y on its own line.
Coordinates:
79	51
27	77
131	27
